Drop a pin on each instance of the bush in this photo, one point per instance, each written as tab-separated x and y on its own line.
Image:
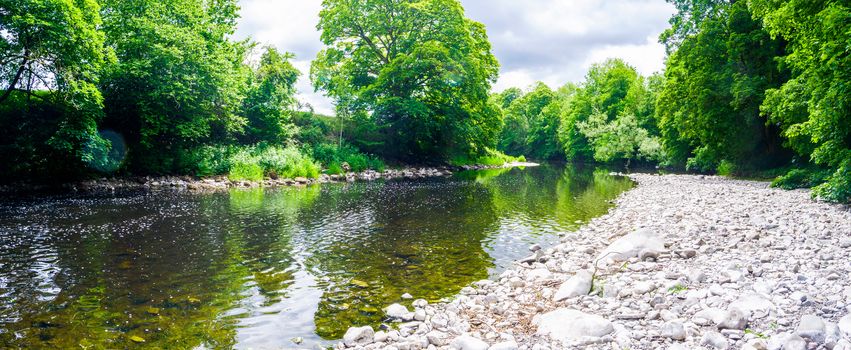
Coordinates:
251	163
334	156
838	185
726	168
490	158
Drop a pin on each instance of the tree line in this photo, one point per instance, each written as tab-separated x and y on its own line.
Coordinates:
753	88
92	87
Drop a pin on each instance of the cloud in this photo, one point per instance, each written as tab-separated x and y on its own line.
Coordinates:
554	41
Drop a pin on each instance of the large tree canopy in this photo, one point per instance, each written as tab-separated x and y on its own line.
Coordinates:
722	62
420	70
51	52
179	80
814	107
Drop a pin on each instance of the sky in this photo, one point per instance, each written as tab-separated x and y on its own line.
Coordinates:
554	41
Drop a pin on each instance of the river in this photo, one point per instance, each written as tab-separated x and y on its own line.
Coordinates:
259	268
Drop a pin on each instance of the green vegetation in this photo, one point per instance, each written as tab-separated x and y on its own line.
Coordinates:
160	87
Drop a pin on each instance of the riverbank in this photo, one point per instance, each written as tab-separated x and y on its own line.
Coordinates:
682	262
219	183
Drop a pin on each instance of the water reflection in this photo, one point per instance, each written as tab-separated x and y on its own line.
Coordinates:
256	268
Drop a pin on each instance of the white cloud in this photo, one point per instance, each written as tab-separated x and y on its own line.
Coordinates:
554	41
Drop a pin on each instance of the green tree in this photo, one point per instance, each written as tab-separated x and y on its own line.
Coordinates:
269	103
814	107
613	98
179	80
420	70
50	55
720	65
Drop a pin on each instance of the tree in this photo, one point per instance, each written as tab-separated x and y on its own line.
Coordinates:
720	65
271	98
420	70
814	107
51	53
612	90
531	121
179	80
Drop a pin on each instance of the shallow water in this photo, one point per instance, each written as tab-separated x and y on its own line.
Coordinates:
257	268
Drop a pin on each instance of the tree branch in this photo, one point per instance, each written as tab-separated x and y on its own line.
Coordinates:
17	77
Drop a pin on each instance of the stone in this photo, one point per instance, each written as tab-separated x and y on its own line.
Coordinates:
380	337
844	325
643	287
407	296
579	284
396	311
506	345
358	336
570	325
466	342
631	245
754	304
714	340
673	330
709	316
734	319
812	328
437	338
420	315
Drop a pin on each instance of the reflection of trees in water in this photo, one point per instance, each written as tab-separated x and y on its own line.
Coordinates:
401	238
165	275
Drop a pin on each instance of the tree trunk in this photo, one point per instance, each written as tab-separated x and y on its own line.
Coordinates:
17	77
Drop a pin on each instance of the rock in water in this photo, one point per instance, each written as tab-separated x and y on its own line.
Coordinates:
631	245
569	325
812	328
358	336
466	342
579	284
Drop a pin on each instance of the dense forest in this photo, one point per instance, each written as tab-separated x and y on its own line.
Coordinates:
115	87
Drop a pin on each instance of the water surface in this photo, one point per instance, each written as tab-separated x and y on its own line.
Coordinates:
257	268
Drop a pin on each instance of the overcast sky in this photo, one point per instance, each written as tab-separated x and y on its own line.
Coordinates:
554	41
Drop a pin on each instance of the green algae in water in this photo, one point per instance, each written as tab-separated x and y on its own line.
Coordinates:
258	268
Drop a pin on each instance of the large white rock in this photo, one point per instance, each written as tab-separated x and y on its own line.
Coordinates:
396	311
570	325
358	336
755	304
812	327
631	245
579	284
845	326
466	342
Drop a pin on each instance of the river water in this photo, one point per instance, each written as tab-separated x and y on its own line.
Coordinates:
258	268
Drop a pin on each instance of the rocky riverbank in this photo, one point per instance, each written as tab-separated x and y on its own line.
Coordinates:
682	262
219	183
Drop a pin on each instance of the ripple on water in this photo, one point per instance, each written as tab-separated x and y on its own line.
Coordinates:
257	268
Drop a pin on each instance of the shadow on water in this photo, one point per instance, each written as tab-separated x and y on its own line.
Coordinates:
257	268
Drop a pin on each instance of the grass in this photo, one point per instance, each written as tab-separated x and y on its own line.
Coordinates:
251	163
490	158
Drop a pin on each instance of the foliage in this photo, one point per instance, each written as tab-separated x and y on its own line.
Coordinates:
531	120
178	81
801	178
419	70
333	156
720	65
251	163
50	55
813	108
490	158
611	116
271	98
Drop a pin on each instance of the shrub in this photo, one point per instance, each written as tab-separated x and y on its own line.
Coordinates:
330	155
726	168
490	158
838	185
801	178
